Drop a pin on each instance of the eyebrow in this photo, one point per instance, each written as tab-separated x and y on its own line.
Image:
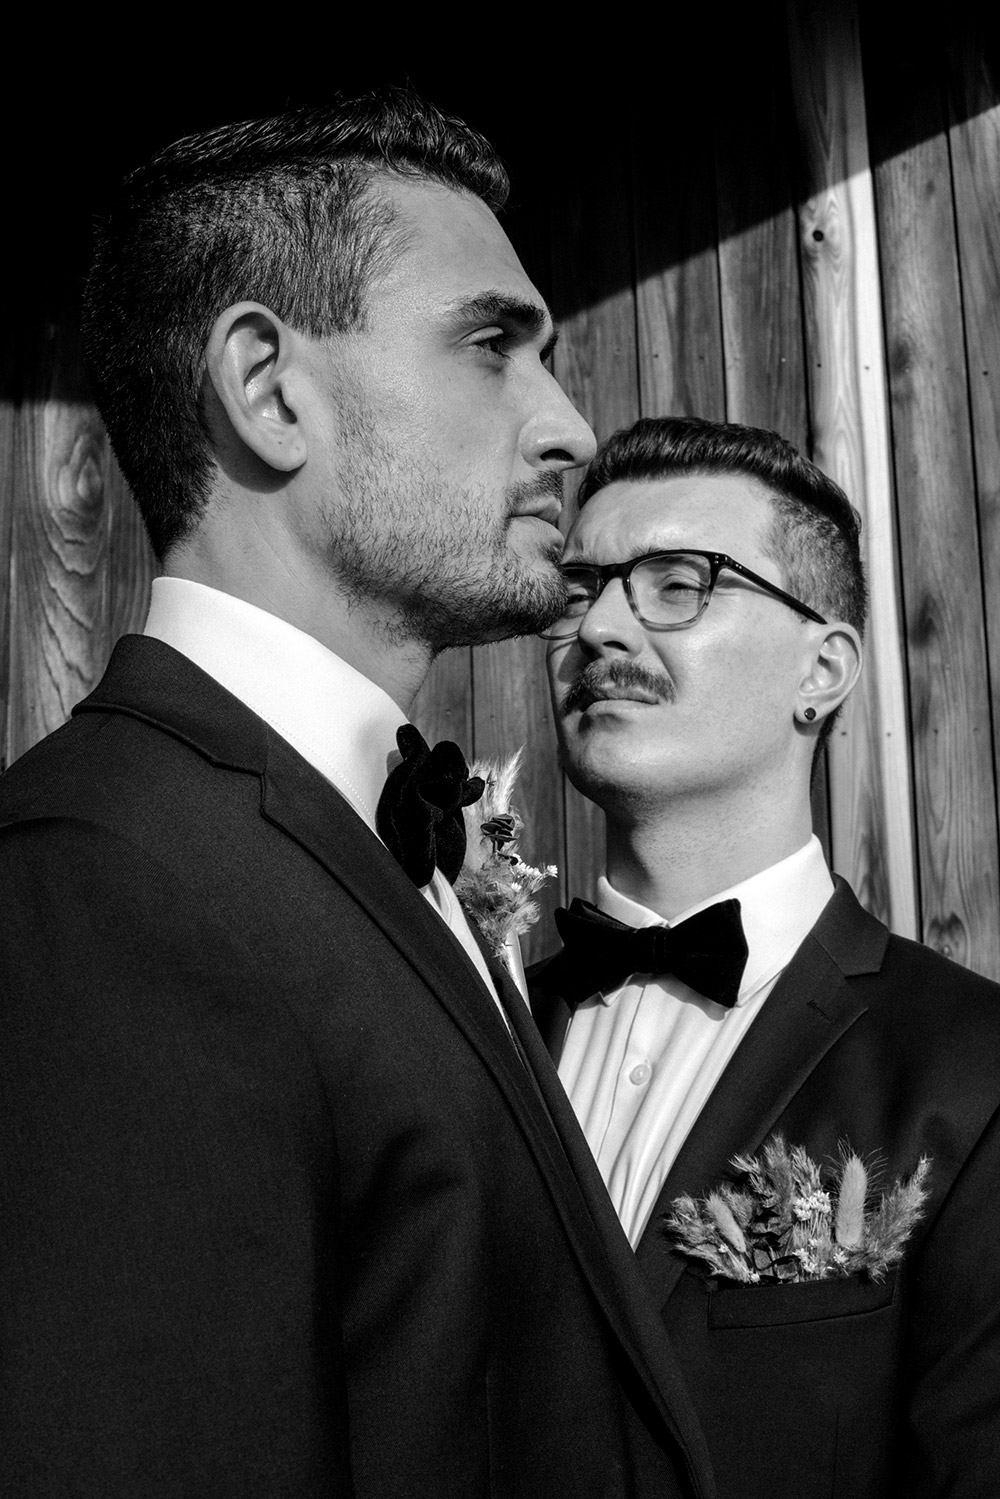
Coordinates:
527	318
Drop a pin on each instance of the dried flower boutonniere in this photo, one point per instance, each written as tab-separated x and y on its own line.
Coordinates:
778	1221
495	885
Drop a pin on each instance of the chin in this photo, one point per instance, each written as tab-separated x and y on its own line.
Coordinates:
613	756
522	605
527	600
618	798
537	558
589	768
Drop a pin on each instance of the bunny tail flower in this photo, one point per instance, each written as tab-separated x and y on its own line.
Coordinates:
781	1221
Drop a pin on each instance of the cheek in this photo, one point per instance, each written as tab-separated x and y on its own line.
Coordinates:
563	663
761	707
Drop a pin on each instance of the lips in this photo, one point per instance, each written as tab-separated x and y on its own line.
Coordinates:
539	498
613	694
544	509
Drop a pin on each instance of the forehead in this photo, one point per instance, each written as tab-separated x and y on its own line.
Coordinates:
711	512
454	249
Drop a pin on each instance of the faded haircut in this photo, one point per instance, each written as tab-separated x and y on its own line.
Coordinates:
815	531
279	211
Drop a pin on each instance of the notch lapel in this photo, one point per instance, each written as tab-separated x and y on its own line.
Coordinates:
298	800
809	1009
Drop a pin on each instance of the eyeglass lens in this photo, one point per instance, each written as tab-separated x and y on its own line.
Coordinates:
671	590
666	590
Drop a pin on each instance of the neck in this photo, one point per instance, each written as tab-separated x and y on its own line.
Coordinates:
290	586
673	857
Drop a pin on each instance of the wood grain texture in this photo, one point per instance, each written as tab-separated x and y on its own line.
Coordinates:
759	284
596	363
59	583
131	564
758	250
672	228
953	772
975	155
869	769
678	318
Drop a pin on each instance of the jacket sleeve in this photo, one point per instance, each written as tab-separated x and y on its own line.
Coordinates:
951	1361
168	1195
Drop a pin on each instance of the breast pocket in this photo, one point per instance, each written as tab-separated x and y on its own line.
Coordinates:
796	1385
799	1301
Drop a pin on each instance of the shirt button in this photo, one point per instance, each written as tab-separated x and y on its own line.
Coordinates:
640	1074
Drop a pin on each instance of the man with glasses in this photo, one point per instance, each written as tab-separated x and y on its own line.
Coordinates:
725	996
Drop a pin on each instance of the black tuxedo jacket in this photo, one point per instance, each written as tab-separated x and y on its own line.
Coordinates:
283	1211
849	1389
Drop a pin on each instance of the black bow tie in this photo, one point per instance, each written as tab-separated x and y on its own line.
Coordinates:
708	951
419	816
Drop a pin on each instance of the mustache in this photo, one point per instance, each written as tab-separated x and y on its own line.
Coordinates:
541	487
597	676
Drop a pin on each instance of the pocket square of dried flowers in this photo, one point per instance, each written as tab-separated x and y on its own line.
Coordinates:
778	1221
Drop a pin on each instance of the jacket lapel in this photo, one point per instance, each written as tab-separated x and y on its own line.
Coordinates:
623	1294
150	681
552	1013
809	1009
297	799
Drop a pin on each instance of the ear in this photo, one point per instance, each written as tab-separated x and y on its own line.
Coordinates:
833	671
251	364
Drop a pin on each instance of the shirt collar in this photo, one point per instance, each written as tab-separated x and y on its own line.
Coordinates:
337	719
779	906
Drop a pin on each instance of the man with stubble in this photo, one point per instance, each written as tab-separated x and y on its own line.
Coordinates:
286	1192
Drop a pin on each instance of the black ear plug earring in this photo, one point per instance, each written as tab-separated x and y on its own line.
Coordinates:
809	714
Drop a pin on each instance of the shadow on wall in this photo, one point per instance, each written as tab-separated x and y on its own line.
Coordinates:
703	104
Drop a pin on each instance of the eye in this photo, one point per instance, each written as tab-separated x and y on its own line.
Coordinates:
494	342
581	590
675	579
679	583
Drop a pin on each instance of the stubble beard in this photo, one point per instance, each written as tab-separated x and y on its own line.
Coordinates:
433	564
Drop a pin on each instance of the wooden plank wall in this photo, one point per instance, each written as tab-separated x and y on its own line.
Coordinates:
782	268
808	243
869	782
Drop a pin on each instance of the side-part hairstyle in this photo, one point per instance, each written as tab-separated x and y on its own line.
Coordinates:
815	531
279	211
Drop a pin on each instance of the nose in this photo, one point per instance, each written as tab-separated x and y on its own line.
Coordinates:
556	435
609	626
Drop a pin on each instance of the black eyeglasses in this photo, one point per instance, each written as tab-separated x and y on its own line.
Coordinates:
665	590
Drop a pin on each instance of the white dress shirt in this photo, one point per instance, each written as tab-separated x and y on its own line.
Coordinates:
640	1061
337	719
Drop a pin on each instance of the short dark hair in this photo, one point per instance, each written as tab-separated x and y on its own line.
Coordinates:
815	535
277	211
815	532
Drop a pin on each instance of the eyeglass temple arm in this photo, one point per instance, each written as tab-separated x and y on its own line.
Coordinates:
779	593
